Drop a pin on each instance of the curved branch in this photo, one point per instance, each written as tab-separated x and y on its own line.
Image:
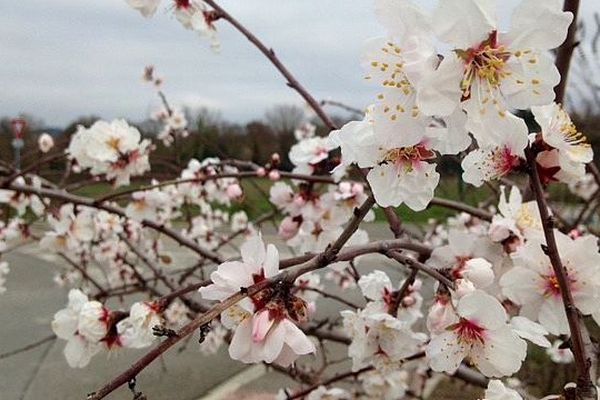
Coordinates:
270	54
70	198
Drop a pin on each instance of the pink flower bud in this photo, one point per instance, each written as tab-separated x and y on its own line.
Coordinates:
288	228
261	172
234	191
261	324
274	175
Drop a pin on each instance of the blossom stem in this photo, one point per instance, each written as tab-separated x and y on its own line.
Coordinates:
581	344
565	51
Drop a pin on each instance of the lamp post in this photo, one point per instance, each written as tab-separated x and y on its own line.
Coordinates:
18	126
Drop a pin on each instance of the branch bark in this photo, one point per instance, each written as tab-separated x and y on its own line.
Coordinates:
581	343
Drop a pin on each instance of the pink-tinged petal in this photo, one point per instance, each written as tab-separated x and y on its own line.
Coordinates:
253	251
261	324
445	352
502	355
296	339
271	264
241	342
273	343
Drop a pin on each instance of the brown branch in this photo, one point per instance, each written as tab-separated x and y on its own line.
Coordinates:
270	54
581	344
237	175
70	198
320	261
565	51
414	264
454	205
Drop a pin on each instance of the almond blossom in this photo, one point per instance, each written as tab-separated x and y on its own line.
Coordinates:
490	71
466	257
568	150
80	348
516	219
379	339
400	170
377	287
497	391
494	160
114	149
265	324
135	331
533	285
45	142
480	333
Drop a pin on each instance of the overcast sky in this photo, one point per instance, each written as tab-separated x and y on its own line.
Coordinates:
62	59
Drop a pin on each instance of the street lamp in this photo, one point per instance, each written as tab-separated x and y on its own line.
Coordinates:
18	126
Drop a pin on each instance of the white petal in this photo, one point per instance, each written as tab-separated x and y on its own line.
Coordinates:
483	309
527	329
464	23
539	25
439	92
445	352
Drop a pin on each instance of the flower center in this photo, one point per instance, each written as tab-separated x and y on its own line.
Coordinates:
485	62
407	156
569	131
113	143
551	286
502	161
468	331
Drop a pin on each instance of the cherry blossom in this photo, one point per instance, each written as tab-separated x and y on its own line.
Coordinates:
495	160
559	353
400	172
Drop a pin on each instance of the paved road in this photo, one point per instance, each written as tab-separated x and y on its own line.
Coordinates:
27	309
